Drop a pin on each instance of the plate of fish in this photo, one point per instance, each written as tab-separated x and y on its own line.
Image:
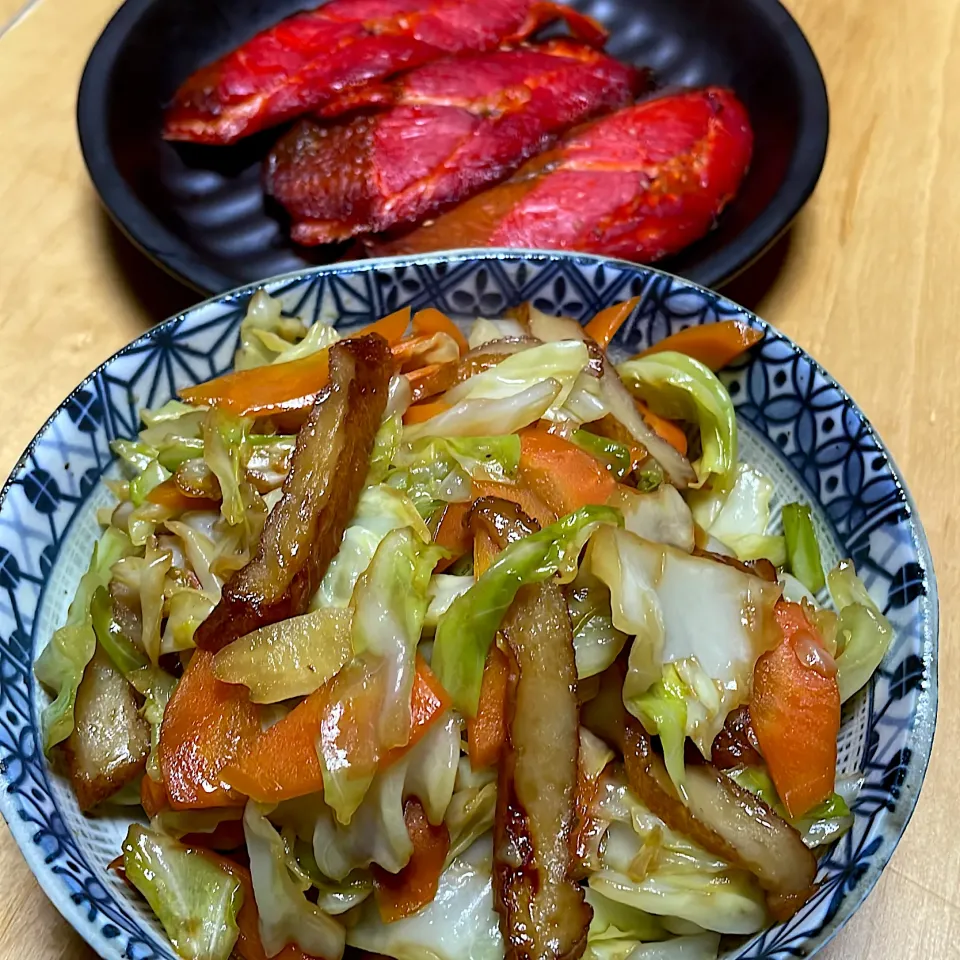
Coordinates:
235	144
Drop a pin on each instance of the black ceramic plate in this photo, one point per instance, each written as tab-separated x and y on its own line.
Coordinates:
200	212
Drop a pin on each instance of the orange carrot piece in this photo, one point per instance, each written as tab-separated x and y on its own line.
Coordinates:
391	327
168	494
282	388
421	412
795	712
264	391
283	763
487	731
431	320
665	429
604	326
207	726
399	895
562	474
527	499
453	534
713	344
153	796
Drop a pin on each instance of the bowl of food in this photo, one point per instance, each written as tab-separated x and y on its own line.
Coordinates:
234	145
474	605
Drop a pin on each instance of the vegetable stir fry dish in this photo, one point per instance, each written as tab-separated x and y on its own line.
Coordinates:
436	645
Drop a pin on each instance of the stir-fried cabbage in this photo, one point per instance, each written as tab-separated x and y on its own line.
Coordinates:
443	590
650	867
560	361
194	898
484	330
863	632
286	916
481	417
377	832
389	603
679	387
266	336
466	630
61	663
596	641
459	922
472	807
380	510
713	643
661	515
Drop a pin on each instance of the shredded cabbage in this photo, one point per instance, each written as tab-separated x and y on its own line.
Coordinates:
661	516
466	630
459	922
286	916
443	590
472	808
596	641
679	387
863	633
61	663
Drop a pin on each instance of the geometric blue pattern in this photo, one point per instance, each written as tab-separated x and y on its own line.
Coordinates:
810	427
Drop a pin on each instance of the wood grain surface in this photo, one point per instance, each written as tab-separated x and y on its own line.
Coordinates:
868	280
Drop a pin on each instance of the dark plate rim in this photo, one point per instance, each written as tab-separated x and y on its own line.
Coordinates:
136	221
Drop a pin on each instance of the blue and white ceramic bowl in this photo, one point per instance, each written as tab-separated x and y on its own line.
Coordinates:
796	423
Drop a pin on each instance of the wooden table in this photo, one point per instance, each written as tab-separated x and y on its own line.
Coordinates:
868	281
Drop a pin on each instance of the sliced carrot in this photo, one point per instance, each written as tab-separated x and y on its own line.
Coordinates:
665	429
421	412
434	378
399	895
604	326
249	946
264	391
562	474
282	388
527	499
392	327
283	763
485	551
487	731
431	320
153	796
713	344
453	534
168	494
207	726
795	712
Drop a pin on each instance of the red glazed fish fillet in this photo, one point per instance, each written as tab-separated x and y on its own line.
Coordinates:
308	59
455	126
640	184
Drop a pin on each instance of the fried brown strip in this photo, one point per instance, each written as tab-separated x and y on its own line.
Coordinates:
542	910
761	567
110	742
736	744
722	817
303	532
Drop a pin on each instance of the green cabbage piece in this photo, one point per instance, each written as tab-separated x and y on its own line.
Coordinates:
152	475
286	916
266	336
472	808
699	946
61	663
649	867
385	446
443	590
562	361
615	456
147	576
459	922
863	633
803	550
737	512
596	641
194	898
481	417
663	712
377	832
494	458
466	630
681	388
156	686
380	510
390	601
125	654
226	449
617	921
